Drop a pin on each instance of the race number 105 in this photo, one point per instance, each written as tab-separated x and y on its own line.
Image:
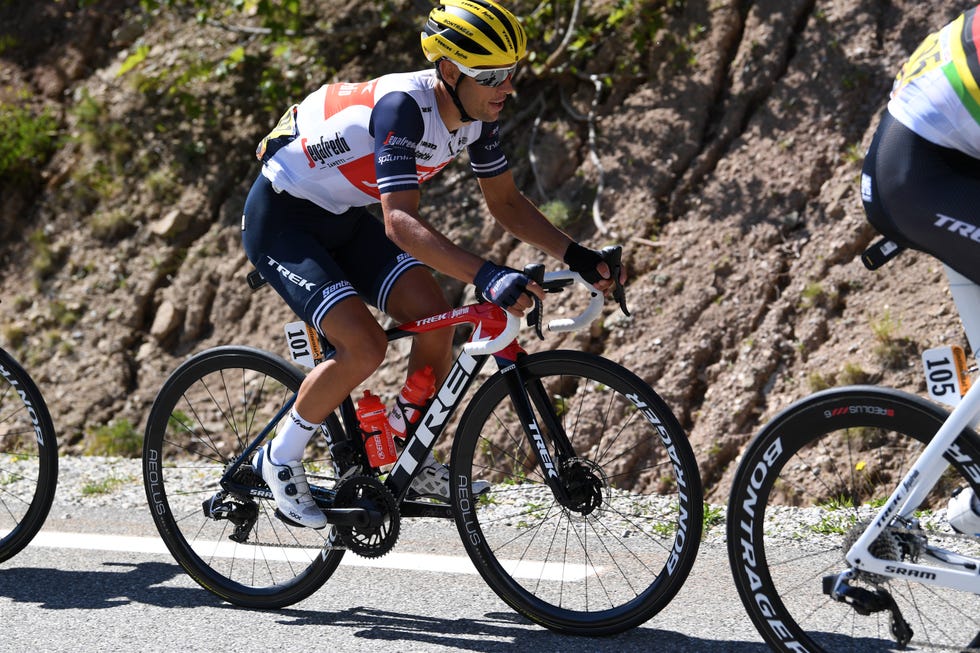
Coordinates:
946	374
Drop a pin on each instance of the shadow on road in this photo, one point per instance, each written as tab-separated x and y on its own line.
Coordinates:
115	584
508	629
118	584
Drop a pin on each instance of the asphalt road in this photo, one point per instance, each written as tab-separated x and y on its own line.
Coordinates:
97	579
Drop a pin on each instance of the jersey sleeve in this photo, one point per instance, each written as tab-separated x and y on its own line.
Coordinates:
397	128
486	155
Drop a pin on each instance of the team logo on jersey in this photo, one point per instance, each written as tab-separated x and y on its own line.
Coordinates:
399	141
323	150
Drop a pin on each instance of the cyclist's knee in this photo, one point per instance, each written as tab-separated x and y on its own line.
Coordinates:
362	350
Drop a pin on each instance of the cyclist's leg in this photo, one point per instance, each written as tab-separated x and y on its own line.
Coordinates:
292	243
399	285
924	196
360	348
415	295
299	248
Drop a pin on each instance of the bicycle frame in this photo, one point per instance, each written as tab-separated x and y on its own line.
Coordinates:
493	335
962	573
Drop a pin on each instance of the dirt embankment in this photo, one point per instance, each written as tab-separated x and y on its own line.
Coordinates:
726	161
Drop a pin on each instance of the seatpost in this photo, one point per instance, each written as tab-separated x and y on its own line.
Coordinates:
966	296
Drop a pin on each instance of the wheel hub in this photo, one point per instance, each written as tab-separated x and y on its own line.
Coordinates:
584	483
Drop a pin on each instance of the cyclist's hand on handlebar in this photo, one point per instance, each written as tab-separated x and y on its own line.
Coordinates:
592	266
506	287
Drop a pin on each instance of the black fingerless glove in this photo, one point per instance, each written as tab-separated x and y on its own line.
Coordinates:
584	261
499	284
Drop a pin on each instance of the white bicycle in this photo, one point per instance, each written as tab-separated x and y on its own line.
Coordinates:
837	534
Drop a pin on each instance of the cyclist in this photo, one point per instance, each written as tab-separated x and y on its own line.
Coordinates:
921	179
306	229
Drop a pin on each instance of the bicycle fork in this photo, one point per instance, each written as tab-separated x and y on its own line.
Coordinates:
575	487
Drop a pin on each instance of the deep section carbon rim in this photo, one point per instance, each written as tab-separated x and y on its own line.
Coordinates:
806	486
618	550
206	414
28	458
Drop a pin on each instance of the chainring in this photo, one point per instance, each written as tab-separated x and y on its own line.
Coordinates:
368	493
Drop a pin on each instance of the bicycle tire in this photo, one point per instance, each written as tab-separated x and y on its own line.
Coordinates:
28	458
207	412
599	573
805	486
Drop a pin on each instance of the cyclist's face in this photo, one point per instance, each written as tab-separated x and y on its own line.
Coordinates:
483	102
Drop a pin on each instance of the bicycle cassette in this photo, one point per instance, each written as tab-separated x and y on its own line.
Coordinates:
380	519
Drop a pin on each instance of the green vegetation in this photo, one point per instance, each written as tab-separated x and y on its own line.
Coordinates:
891	349
104	486
713	516
558	212
117	438
28	141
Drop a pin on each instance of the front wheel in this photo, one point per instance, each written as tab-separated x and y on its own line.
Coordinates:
28	458
616	553
209	410
807	486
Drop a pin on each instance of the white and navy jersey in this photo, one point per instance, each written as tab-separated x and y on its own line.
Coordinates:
347	144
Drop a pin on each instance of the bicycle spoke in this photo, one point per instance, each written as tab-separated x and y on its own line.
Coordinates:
599	557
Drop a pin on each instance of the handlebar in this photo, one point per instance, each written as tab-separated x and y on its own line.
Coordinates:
553	282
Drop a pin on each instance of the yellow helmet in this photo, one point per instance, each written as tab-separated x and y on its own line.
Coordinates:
475	33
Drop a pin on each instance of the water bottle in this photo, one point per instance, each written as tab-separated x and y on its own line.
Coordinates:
418	389
378	443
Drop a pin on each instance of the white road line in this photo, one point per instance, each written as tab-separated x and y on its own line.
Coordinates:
394	560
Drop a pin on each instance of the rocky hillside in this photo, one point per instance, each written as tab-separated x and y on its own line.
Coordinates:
720	141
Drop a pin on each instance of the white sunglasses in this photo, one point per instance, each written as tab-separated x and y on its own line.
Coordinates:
488	76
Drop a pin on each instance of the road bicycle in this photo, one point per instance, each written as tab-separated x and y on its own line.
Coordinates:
594	515
28	458
837	534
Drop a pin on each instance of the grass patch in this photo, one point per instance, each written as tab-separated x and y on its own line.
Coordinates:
117	438
103	486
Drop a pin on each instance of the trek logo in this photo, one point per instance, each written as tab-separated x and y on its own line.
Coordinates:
958	227
289	275
549	465
322	151
399	141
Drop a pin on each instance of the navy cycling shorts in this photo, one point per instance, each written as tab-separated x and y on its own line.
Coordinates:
315	259
924	196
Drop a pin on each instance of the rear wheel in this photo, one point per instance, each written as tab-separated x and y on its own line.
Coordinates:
209	410
807	486
619	549
28	458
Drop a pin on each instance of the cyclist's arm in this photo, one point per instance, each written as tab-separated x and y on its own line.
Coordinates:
411	232
519	216
397	127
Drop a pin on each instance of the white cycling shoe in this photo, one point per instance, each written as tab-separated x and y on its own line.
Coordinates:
290	489
432	482
963	512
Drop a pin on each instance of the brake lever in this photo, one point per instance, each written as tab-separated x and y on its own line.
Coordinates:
535	271
613	256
